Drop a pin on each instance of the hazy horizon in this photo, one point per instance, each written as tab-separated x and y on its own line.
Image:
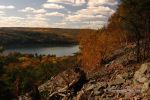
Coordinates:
49	27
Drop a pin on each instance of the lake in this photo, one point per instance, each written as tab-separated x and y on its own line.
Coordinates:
59	51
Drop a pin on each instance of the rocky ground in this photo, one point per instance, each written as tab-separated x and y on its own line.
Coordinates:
121	79
124	86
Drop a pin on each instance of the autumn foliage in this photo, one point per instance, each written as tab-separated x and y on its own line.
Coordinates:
96	45
129	24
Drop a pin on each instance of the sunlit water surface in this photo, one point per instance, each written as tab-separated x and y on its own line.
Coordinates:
59	51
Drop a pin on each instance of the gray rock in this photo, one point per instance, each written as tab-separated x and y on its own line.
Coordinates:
90	87
144	68
124	76
99	86
146	98
98	98
142	80
98	93
145	86
58	82
140	75
117	81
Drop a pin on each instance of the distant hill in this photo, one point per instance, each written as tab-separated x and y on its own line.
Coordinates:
19	35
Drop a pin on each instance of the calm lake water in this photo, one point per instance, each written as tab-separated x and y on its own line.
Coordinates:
59	51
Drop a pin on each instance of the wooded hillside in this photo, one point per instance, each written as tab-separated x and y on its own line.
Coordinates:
128	25
9	36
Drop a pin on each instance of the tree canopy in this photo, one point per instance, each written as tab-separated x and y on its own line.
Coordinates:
130	23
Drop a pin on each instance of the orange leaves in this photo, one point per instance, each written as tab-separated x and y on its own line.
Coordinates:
95	47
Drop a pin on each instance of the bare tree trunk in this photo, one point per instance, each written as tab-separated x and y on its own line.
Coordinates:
138	50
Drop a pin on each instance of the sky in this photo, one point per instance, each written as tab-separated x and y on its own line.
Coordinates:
56	13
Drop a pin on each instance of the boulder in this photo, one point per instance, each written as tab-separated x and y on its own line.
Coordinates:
117	81
65	84
142	79
124	75
59	82
141	75
101	84
146	86
99	88
90	87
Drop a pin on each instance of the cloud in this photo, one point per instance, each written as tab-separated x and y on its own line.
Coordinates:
89	13
10	21
2	12
2	7
39	11
11	18
99	13
41	17
78	2
30	20
32	10
82	17
52	6
96	11
13	21
102	2
89	2
55	14
27	9
101	10
60	25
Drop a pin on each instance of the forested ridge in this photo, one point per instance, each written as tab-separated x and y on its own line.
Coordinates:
20	35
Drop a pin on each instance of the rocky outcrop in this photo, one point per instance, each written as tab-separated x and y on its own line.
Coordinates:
142	77
143	74
65	84
123	86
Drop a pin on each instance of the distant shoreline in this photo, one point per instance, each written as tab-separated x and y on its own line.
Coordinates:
58	50
12	36
8	46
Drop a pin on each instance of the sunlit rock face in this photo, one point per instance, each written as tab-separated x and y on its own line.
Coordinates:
142	75
60	81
